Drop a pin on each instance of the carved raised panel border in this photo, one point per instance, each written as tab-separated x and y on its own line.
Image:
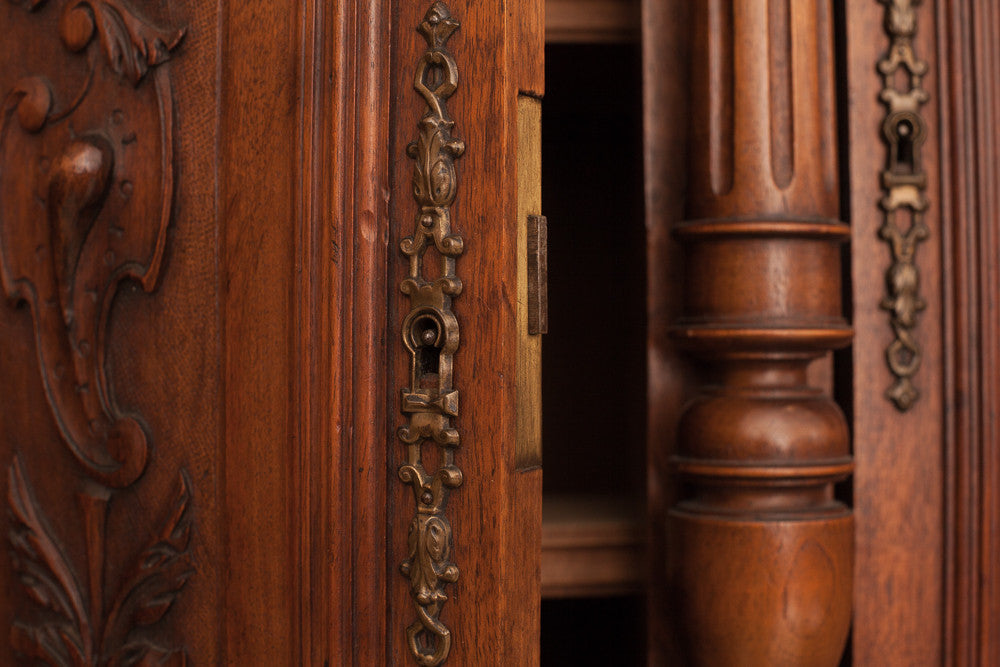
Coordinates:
84	204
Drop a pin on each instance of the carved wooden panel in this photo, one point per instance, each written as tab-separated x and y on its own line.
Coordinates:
86	153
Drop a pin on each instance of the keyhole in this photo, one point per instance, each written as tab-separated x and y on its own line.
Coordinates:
904	146
426	334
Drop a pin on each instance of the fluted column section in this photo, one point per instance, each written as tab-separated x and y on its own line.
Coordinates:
761	552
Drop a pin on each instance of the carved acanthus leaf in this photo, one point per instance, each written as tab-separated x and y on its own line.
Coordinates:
49	643
131	45
46	576
144	655
159	574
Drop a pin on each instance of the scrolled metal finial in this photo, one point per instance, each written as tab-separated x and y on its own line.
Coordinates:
438	25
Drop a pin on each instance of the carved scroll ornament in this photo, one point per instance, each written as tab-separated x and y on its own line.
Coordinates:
86	152
430	334
904	182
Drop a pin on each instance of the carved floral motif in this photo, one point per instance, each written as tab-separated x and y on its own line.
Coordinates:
76	635
86	201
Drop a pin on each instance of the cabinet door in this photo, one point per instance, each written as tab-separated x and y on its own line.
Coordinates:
202	361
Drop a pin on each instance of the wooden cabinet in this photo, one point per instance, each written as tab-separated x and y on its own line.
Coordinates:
272	388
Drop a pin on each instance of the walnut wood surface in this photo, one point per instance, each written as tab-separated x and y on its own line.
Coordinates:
350	225
672	376
227	360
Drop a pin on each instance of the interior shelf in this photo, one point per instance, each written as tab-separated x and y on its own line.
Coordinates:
592	21
592	546
594	379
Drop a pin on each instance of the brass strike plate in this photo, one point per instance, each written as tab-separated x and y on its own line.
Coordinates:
538	275
532	283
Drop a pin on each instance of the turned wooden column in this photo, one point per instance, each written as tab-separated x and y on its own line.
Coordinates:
760	561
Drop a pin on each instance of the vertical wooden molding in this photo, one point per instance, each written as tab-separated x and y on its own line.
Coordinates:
761	553
87	195
431	335
352	157
968	63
